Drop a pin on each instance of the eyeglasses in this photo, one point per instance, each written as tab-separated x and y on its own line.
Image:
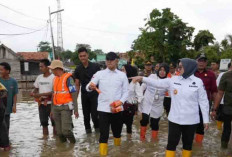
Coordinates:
180	67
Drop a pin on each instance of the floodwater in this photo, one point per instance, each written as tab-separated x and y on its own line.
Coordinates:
27	140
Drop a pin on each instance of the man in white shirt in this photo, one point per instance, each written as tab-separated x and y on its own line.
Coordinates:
43	93
113	86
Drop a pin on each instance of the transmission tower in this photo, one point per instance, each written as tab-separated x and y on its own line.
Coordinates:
59	30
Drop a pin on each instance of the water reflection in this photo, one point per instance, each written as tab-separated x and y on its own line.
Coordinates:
27	141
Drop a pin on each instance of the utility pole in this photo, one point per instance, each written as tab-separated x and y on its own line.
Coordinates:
50	21
53	45
60	48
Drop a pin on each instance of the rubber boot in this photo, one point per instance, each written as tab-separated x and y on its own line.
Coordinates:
154	134
170	153
143	130
186	153
103	149
199	138
45	131
219	125
117	141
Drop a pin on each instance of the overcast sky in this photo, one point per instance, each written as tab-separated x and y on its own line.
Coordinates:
110	25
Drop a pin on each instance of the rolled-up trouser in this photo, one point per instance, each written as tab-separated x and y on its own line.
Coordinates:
89	107
44	115
4	138
226	128
175	131
154	122
109	119
63	120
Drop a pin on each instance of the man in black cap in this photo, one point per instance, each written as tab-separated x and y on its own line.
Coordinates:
83	74
209	80
147	69
113	89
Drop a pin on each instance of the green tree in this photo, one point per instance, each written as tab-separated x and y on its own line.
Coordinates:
66	55
203	38
165	36
98	51
44	46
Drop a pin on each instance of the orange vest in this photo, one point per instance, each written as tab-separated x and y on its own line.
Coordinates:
61	94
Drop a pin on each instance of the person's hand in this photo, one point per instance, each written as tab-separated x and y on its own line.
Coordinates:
213	115
14	108
76	114
92	86
137	79
206	126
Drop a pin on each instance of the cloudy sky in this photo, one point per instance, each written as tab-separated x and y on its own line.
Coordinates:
111	25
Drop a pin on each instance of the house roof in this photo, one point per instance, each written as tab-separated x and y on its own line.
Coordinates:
35	56
9	50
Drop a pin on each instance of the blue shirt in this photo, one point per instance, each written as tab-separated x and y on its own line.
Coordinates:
12	89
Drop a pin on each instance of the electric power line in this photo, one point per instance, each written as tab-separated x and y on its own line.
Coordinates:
14	34
16	25
18	12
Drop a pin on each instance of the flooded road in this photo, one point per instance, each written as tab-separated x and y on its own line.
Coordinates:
27	139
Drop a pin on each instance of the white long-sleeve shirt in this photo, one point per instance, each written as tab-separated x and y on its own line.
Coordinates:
113	86
187	95
152	103
135	93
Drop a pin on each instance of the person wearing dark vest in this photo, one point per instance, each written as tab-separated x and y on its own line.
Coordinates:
224	89
83	74
187	93
4	138
64	102
113	89
209	80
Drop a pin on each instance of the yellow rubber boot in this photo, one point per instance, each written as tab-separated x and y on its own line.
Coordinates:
170	153
117	141
219	125
103	149
186	153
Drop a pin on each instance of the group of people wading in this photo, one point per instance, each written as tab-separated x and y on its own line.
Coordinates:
112	97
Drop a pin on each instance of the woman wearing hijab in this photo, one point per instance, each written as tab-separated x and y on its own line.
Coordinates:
188	93
135	96
152	105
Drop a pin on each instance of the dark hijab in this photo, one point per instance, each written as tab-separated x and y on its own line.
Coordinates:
130	71
166	68
190	67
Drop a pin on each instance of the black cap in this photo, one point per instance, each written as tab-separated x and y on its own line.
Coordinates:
111	56
172	65
202	56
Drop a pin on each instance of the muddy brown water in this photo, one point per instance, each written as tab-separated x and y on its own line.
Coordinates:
27	140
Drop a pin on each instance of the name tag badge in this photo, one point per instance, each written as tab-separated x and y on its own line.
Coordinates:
175	91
